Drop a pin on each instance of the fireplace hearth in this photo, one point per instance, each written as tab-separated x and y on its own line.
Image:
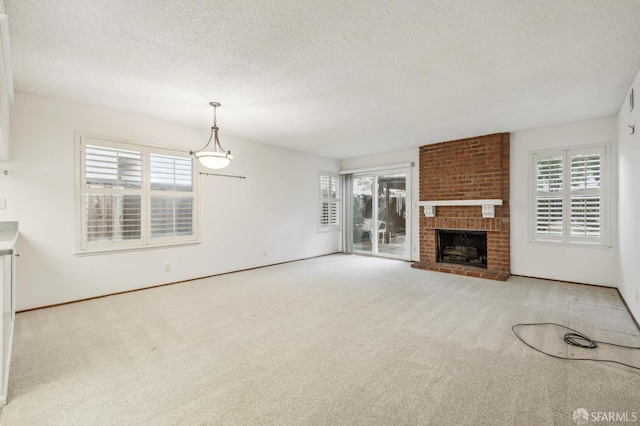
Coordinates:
462	247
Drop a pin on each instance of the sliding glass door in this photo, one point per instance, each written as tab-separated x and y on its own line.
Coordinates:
381	214
363	213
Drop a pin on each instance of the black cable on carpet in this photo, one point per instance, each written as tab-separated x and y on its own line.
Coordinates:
575	338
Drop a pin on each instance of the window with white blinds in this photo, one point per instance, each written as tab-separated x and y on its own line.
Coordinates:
570	195
329	202
133	196
172	202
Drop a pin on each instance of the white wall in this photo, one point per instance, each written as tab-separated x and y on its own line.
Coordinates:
561	262
629	196
274	210
391	158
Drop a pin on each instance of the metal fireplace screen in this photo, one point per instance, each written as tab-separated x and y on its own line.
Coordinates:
462	247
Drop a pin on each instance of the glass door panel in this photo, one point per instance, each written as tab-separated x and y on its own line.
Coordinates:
391	235
363	214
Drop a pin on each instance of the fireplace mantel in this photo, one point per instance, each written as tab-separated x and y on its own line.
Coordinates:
488	206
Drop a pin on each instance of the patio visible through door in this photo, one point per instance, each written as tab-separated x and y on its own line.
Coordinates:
380	221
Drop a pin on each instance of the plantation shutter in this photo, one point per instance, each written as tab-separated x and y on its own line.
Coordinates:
132	196
585	206
329	202
334	211
569	195
172	198
112	194
549	196
325	187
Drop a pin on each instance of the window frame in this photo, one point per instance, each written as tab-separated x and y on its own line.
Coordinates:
329	199
566	154
83	246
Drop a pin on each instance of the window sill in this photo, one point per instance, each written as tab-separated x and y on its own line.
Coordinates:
92	252
324	231
572	244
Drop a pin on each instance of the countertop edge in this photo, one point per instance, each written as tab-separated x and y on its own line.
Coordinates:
8	245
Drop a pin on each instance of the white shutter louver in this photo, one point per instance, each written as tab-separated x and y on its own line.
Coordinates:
112	203
171	173
549	175
549	200
549	216
585	208
113	217
324	213
171	211
334	210
112	168
585	216
334	214
325	184
585	171
335	187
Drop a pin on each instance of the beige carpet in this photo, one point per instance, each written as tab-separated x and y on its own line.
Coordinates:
337	340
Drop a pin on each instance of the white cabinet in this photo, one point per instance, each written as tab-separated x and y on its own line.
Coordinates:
8	317
6	88
8	257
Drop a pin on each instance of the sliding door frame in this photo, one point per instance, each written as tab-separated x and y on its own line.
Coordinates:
349	178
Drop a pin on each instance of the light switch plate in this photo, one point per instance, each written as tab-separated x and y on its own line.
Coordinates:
3	203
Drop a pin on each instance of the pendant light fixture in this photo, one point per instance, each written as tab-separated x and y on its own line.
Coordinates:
218	158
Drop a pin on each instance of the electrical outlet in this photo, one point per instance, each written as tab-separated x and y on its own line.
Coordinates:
264	253
167	267
638	296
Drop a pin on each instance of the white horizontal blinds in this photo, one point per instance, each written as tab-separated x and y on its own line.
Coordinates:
172	201
549	196
112	194
329	201
585	200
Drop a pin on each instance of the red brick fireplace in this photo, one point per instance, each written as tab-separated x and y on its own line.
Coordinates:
465	184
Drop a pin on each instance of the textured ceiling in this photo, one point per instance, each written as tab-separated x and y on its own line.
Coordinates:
333	77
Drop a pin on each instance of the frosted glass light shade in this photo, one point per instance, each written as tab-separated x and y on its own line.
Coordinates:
214	160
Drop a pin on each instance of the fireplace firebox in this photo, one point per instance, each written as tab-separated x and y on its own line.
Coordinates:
462	247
